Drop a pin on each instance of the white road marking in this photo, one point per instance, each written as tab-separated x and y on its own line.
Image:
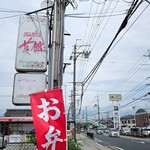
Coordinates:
141	142
119	148
116	148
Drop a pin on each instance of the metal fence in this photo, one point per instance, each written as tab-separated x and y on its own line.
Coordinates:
17	136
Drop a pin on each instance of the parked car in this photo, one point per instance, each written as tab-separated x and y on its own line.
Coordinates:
106	130
135	131
82	130
125	130
113	133
146	131
3	141
100	131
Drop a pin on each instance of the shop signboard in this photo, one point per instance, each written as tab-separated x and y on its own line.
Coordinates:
32	44
115	97
26	84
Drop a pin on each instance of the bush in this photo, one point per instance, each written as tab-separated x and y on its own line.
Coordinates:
72	145
31	138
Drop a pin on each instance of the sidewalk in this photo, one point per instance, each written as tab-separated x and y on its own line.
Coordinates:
89	144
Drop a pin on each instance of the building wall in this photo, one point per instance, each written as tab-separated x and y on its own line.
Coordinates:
128	122
142	119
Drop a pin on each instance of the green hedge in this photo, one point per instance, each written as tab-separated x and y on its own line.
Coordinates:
73	145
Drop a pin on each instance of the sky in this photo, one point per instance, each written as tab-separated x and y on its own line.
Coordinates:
92	25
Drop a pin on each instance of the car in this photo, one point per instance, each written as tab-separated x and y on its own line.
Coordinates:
146	131
113	133
100	131
82	130
3	141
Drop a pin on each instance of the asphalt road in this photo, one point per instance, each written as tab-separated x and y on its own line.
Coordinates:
123	143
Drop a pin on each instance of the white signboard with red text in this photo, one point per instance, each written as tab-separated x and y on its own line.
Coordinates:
49	119
25	84
32	44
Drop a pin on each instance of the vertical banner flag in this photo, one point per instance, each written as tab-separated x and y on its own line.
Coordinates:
49	119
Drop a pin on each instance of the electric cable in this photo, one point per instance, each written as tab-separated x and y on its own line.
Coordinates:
96	67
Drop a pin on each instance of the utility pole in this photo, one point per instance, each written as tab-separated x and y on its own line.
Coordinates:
98	110
75	56
74	91
56	52
86	120
98	107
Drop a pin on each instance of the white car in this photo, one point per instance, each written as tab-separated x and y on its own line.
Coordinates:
146	132
82	130
3	142
100	131
113	133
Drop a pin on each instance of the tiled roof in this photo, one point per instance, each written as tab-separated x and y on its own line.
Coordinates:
18	113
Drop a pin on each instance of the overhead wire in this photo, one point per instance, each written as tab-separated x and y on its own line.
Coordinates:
99	35
96	67
82	16
93	24
99	2
95	29
104	13
128	29
132	24
98	24
133	101
128	75
103	56
83	66
136	90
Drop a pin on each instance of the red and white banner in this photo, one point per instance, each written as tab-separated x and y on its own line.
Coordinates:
49	119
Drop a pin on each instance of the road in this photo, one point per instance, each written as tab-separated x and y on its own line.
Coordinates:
123	143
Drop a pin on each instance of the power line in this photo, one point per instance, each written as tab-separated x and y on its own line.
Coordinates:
92	73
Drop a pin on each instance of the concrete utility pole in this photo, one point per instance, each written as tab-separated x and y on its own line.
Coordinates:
74	91
75	56
56	53
86	120
98	107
